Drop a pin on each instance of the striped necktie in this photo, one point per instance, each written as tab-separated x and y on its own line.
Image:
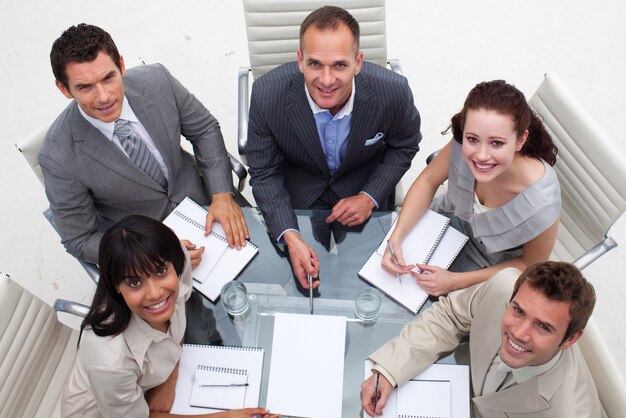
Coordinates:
138	152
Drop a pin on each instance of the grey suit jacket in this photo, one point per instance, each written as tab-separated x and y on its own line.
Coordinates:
91	183
566	390
287	165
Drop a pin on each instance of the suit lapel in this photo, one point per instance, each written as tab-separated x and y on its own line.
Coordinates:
485	342
301	117
363	111
104	152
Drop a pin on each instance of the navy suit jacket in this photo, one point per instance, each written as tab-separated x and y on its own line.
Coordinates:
91	183
287	165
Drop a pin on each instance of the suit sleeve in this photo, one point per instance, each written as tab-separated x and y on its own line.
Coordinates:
203	131
74	211
264	159
436	331
402	143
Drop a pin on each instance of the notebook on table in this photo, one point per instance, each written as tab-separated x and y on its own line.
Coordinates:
431	241
220	263
219	387
218	365
441	390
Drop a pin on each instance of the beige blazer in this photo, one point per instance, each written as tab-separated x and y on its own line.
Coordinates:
566	390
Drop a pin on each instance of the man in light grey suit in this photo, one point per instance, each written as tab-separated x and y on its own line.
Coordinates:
529	336
328	132
90	180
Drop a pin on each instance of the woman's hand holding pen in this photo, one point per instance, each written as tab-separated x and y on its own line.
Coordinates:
395	265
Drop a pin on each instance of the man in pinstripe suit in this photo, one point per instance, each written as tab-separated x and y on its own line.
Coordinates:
329	131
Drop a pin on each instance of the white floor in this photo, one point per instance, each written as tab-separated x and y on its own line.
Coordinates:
445	48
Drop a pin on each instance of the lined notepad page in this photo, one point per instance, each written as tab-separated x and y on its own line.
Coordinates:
187	221
220	263
306	371
219	387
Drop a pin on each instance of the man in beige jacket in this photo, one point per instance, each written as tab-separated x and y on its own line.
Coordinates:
532	332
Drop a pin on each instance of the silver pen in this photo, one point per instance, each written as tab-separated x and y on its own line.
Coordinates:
310	280
225	385
395	261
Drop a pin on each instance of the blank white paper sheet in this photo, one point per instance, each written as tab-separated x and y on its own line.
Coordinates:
306	372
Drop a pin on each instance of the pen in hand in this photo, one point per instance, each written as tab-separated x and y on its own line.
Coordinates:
376	391
395	261
310	280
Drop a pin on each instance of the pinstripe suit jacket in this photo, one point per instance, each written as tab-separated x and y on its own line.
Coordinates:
91	183
287	165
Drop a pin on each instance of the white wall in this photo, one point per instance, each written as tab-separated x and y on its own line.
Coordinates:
445	47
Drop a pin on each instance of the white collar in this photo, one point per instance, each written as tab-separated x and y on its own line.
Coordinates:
107	128
527	372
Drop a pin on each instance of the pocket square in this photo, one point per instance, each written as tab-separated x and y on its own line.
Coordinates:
375	139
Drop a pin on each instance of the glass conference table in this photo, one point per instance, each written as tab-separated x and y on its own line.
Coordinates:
271	288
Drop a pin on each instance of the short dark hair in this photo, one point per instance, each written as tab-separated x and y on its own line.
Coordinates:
134	246
80	43
563	282
329	17
506	99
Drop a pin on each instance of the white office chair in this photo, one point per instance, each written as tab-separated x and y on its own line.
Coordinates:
610	384
273	37
37	353
591	171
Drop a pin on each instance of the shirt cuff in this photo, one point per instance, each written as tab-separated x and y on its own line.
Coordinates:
373	200
280	239
380	369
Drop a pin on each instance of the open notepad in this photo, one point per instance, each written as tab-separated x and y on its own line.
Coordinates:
431	241
440	391
216	366
220	263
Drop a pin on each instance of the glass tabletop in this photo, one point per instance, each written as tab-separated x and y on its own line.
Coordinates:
272	288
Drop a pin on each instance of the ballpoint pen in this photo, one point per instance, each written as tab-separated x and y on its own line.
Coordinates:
376	391
310	280
395	261
226	385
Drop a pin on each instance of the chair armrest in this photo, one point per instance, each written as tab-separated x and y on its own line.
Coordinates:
595	252
239	170
74	308
432	156
395	66
243	100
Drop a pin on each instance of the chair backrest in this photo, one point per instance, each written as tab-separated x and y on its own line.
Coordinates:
590	168
30	146
37	354
611	386
273	29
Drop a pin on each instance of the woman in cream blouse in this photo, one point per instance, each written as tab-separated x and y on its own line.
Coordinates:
131	338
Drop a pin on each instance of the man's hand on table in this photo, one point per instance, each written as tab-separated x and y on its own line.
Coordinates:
303	259
227	212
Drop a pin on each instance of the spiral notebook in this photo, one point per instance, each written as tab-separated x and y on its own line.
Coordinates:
219	387
209	364
220	263
431	241
441	390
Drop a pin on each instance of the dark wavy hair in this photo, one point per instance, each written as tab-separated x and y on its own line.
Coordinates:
80	43
563	282
134	246
506	99
329	17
